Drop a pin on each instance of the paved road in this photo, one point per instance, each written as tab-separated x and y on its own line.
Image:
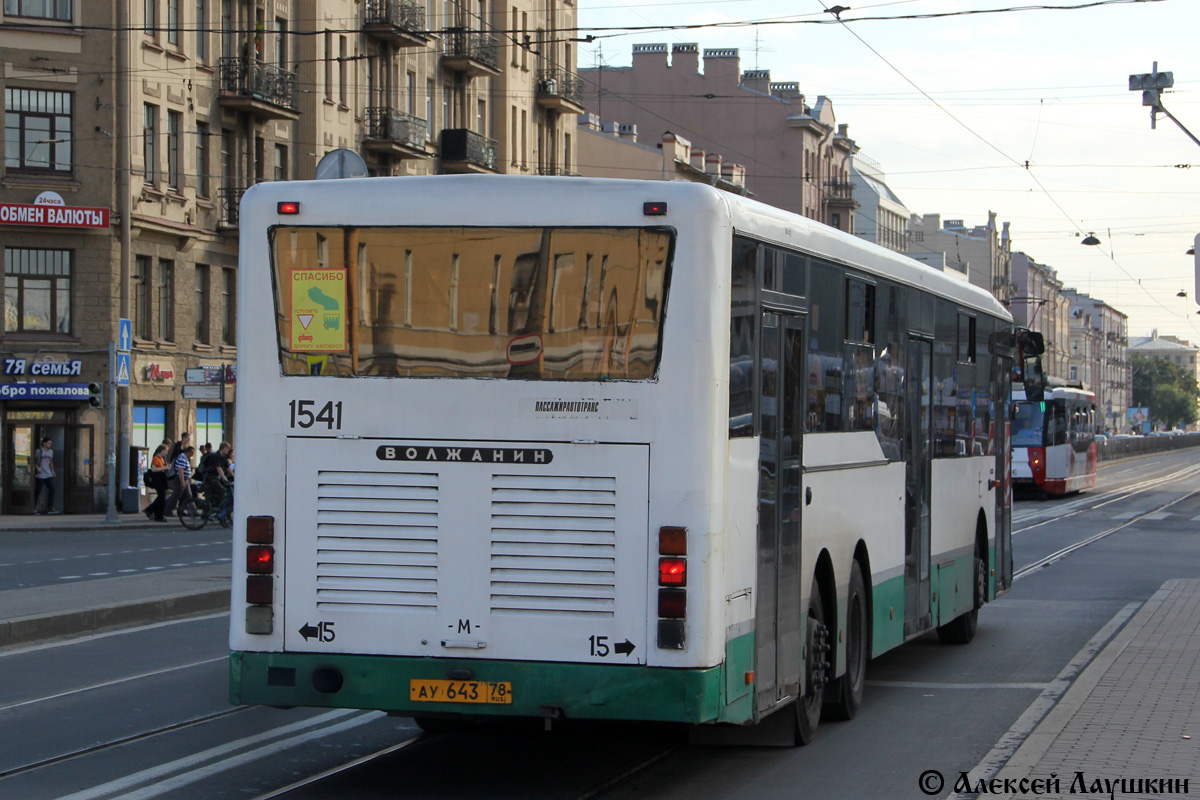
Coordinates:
161	692
54	557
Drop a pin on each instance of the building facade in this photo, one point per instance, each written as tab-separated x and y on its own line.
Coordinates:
881	217
1099	342
133	129
796	155
983	253
1039	303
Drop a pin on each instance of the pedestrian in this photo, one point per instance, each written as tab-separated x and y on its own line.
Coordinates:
182	484
216	474
43	476
184	440
157	480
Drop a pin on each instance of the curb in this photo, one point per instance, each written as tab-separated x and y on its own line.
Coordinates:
37	627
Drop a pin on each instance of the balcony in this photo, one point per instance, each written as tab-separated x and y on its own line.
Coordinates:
840	194
230	198
397	21
264	90
394	133
466	151
557	171
470	52
560	90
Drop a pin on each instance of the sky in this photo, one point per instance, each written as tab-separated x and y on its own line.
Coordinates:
953	108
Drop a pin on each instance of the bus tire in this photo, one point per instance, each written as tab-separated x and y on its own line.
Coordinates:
847	694
816	667
961	629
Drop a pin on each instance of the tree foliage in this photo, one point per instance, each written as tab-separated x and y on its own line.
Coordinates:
1168	390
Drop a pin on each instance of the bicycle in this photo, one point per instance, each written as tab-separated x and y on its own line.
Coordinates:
195	511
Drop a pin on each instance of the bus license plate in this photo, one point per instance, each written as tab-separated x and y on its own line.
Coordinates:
423	691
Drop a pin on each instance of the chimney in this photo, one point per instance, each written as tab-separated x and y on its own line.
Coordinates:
649	57
611	128
722	65
712	164
758	80
734	173
698	159
589	121
686	57
788	90
627	131
676	148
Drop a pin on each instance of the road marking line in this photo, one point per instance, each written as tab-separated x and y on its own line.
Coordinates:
185	778
69	577
920	685
1158	516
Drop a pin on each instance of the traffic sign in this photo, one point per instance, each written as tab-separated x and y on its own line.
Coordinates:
124	336
204	391
122	369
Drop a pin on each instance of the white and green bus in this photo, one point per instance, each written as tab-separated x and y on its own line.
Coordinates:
576	448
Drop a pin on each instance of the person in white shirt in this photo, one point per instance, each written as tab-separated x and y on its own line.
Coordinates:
181	484
43	476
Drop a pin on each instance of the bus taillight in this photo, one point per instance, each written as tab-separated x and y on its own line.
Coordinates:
260	530
672	601
260	560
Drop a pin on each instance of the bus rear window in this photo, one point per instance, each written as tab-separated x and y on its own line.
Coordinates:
527	303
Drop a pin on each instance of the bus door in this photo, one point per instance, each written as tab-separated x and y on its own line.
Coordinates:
779	634
917	485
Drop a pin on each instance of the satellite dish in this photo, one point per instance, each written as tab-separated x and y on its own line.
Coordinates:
341	163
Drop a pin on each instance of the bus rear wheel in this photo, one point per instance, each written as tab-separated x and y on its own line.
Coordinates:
847	693
961	629
816	668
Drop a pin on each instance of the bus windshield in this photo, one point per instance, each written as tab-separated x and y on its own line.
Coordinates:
1029	420
525	303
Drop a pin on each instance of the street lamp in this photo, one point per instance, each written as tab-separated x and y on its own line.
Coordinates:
1090	240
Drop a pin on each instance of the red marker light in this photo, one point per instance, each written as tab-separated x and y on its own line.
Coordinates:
672	541
288	208
672	572
260	560
656	208
260	530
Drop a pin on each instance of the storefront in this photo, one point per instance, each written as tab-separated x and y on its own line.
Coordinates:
36	407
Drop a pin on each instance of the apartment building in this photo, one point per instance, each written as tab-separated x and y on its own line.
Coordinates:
982	252
881	216
134	127
1100	357
796	155
1039	303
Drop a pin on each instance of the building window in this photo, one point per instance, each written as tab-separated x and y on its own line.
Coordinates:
202	303
173	22
411	87
281	162
227	45
149	135
481	117
228	306
1074	372
39	9
430	125
166	305
329	66
37	130
151	16
202	30
281	31
202	183
343	53
208	426
37	290
141	297
149	426
174	169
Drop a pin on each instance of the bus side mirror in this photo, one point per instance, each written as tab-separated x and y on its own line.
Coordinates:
1031	343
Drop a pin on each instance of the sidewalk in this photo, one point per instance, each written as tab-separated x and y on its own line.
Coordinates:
45	612
32	523
1130	723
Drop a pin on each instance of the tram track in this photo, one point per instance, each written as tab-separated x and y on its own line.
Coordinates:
124	740
1105	500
